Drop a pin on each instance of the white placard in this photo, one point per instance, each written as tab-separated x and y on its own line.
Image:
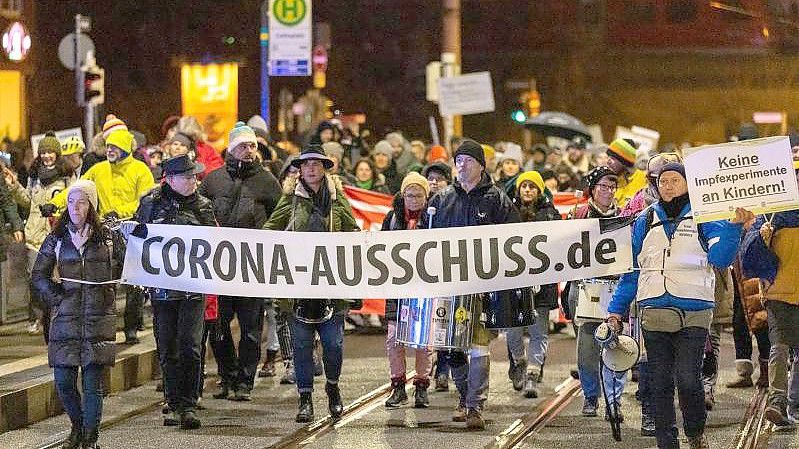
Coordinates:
647	139
290	37
466	94
754	174
420	263
62	135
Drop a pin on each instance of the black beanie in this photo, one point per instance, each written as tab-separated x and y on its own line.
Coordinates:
473	149
673	166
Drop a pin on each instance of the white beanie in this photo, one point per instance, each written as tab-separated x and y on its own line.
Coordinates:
88	188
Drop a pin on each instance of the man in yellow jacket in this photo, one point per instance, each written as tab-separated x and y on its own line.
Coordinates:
621	159
121	181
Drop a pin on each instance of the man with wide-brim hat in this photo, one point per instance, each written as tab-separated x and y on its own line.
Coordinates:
315	202
178	315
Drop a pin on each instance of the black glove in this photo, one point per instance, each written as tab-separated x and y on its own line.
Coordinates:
47	209
564	301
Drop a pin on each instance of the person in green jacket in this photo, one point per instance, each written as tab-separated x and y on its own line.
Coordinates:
315	202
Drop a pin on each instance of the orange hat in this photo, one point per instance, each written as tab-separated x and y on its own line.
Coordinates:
437	153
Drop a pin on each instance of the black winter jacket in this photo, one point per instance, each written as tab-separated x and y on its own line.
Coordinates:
395	221
162	205
486	204
243	193
83	324
544	210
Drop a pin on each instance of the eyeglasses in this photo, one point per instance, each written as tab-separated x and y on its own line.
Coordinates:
669	182
607	187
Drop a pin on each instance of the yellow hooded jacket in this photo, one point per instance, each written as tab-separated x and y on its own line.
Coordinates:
629	186
119	186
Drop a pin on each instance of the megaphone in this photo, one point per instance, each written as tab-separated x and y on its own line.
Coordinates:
619	352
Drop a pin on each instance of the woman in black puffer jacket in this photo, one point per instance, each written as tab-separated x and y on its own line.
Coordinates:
83	323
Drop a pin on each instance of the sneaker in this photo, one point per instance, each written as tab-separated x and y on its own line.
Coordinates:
474	420
189	421
35	328
267	370
241	395
530	390
698	442
172	419
710	400
288	378
442	382
776	413
459	415
590	406
647	425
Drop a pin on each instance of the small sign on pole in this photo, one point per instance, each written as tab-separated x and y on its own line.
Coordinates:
466	94
290	37
754	174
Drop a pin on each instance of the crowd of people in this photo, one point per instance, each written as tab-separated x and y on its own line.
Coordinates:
75	205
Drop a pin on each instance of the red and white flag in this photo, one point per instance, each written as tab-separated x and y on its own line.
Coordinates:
369	208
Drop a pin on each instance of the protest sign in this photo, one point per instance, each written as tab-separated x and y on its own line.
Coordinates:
757	175
398	264
62	135
472	93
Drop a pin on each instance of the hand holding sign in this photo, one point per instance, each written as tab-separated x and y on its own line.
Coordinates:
742	216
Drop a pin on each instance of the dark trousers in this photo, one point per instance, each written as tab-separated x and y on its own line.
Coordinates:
84	408
677	356
134	310
743	338
179	338
331	334
238	372
442	363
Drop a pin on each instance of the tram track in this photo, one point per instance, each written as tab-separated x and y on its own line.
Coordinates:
755	429
352	412
533	422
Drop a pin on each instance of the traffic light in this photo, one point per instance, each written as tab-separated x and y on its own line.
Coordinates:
93	85
533	103
518	116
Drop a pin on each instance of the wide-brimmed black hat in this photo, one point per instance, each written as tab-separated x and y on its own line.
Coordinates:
182	165
313	152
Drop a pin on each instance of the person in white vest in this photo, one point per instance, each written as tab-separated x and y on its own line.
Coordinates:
673	283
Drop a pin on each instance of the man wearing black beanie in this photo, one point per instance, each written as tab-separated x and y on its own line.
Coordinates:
472	200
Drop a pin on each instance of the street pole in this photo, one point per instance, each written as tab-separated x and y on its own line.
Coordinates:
264	37
78	71
451	57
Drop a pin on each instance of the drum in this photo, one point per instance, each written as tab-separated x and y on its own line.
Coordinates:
509	308
313	311
593	299
440	323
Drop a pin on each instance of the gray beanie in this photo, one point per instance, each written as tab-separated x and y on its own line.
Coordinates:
333	149
383	147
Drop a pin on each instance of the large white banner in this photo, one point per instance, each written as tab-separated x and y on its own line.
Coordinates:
397	264
754	174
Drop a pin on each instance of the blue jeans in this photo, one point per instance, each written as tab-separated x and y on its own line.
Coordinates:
331	334
536	347
442	363
677	356
84	412
470	374
588	357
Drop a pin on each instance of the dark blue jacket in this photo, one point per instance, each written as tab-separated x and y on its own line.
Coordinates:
757	260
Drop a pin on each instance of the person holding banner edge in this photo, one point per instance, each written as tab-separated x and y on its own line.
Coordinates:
408	208
315	202
178	315
676	302
472	200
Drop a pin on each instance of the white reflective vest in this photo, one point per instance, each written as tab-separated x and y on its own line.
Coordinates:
678	266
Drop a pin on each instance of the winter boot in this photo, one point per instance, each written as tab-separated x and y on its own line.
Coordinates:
334	400
398	395
74	439
530	390
474	420
223	393
744	368
420	399
189	420
90	437
268	368
442	382
762	381
305	413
